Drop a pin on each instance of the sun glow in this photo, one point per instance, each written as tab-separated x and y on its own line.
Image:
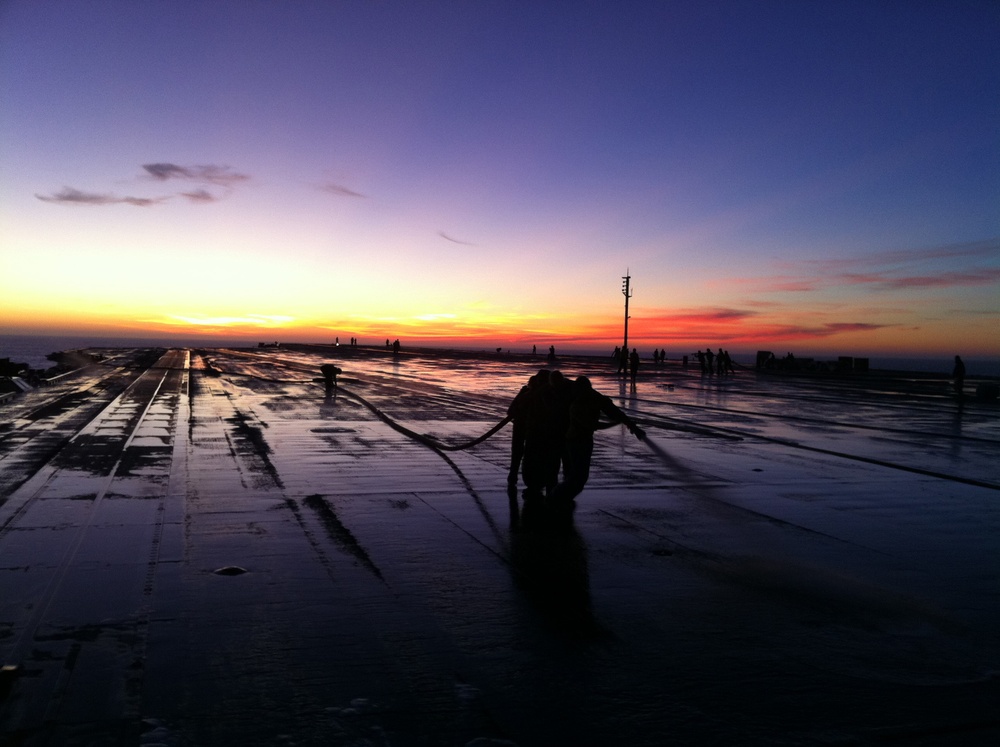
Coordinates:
251	320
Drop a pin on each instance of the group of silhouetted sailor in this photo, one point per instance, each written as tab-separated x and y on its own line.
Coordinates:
554	420
712	363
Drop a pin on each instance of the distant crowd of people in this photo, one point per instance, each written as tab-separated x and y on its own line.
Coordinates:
554	420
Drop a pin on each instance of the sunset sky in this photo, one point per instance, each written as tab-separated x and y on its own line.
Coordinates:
806	176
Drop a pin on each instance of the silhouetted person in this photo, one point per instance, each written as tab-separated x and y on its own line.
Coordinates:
958	374
561	395
701	360
633	364
395	346
585	410
541	437
330	372
709	360
534	349
518	412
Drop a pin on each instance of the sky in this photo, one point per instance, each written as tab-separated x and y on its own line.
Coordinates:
791	176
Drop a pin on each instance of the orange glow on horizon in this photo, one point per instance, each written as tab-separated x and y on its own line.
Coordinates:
680	332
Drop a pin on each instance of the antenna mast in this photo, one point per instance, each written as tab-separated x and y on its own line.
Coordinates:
627	292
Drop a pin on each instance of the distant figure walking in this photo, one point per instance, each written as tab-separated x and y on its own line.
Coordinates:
395	346
633	364
958	374
585	409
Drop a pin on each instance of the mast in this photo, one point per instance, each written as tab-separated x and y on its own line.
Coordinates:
627	292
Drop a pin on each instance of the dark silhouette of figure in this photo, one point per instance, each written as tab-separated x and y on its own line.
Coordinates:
330	372
958	374
386	343
552	352
701	361
541	437
534	349
562	397
633	364
395	346
709	360
586	407
616	353
518	412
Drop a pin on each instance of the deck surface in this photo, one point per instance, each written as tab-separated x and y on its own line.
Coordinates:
212	550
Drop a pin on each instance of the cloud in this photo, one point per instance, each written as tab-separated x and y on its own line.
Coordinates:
220	176
443	235
339	190
693	316
71	196
200	196
223	176
944	280
951	266
835	328
988	248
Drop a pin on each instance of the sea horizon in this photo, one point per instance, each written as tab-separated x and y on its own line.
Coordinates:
34	349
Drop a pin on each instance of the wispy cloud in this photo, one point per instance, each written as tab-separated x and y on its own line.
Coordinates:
71	196
218	176
201	196
453	240
986	276
899	258
949	266
695	316
223	176
339	190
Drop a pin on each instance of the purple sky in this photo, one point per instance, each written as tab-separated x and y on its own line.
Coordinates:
824	173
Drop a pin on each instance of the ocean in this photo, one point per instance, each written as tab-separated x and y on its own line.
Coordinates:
34	349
